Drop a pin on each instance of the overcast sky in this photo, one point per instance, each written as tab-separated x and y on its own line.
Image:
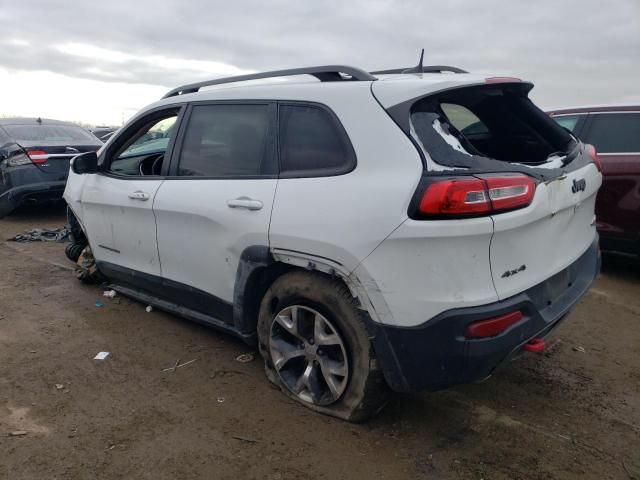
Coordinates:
101	61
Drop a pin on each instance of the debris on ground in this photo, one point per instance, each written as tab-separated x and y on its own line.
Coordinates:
101	356
220	399
149	309
245	358
178	365
109	294
43	235
579	349
18	433
98	304
59	386
245	439
86	270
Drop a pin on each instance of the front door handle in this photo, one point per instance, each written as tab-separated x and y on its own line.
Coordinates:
139	195
245	202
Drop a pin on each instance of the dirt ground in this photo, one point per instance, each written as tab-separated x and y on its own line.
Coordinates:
570	413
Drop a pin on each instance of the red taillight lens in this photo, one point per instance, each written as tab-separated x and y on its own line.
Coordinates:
455	196
473	195
492	326
591	150
507	193
38	156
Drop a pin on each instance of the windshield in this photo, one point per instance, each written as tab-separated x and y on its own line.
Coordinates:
50	133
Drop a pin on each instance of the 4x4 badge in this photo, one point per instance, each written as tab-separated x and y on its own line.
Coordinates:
508	273
579	185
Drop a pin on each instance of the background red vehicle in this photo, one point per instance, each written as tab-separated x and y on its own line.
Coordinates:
615	133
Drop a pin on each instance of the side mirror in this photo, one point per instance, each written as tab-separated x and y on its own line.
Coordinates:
85	163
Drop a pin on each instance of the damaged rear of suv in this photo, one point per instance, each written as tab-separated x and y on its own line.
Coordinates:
402	230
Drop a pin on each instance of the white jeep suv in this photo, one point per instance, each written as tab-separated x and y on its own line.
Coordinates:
399	230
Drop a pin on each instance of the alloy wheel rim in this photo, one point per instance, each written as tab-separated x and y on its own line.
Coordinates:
309	355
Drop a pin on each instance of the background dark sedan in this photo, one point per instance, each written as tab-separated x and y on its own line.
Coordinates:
34	159
615	133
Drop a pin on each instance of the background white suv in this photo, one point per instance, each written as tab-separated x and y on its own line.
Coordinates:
409	229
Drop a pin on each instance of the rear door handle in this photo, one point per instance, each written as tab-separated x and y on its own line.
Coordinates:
245	202
139	195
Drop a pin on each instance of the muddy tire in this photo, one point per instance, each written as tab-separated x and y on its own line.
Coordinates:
316	349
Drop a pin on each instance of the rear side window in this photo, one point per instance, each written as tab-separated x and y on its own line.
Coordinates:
615	132
312	143
225	141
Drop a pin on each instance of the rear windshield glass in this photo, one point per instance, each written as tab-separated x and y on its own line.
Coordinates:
468	127
50	133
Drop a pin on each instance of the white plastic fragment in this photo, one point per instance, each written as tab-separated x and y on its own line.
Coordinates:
149	309
101	356
109	294
245	358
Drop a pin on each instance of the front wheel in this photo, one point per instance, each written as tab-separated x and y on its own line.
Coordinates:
316	349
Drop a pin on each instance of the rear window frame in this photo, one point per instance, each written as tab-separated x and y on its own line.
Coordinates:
352	160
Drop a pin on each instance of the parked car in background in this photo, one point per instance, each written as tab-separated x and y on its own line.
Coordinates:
103	133
34	159
615	133
358	229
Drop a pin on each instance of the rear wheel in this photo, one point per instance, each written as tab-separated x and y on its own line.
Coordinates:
316	349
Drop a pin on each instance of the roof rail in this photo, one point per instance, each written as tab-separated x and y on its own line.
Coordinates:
425	69
325	73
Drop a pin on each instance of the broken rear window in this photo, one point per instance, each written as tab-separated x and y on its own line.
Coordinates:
482	127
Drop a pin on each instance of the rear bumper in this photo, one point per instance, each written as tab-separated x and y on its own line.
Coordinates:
436	355
27	182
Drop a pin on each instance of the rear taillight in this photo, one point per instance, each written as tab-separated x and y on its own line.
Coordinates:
492	326
476	195
38	156
591	150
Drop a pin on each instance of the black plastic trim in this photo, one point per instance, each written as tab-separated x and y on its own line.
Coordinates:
179	294
425	69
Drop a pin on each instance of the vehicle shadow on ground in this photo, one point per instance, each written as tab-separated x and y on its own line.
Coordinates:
625	267
44	211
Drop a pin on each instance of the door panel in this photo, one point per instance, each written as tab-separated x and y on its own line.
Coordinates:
119	221
218	200
201	236
616	136
618	205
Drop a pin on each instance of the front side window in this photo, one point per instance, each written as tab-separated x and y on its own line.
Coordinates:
144	153
615	132
225	141
312	143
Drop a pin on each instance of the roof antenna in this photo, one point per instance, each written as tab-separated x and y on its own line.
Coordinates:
417	68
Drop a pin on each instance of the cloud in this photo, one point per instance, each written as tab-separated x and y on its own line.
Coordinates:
576	51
